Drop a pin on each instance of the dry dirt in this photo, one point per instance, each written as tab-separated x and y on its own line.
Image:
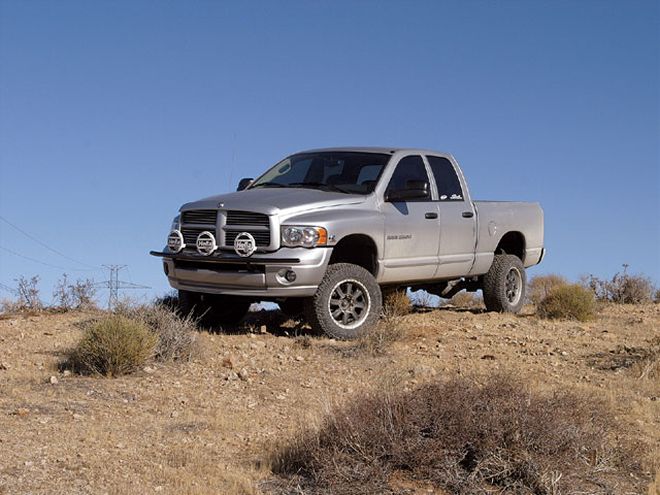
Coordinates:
199	428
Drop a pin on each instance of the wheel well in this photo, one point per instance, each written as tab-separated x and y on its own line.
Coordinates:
358	249
512	243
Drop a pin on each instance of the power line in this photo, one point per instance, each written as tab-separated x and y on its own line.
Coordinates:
114	285
11	251
9	289
41	243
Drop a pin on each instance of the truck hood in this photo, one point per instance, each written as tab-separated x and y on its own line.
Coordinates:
276	201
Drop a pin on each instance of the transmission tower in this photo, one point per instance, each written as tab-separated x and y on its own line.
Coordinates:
114	285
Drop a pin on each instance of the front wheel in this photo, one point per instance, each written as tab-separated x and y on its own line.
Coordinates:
505	284
347	302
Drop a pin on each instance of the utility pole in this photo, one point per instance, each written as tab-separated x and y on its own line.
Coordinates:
114	285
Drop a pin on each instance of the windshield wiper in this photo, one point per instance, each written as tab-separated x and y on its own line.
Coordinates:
321	185
269	184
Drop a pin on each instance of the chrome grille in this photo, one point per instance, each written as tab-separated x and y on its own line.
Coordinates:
256	224
247	218
262	237
200	217
190	236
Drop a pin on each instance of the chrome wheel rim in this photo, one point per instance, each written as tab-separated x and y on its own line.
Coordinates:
349	304
513	286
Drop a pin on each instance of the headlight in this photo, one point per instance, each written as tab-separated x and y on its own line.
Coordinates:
176	223
301	236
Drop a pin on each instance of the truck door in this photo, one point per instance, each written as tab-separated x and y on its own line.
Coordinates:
411	226
457	221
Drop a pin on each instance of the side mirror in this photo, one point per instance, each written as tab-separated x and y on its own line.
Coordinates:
415	189
244	183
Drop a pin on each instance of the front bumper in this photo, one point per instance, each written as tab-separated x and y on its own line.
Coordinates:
258	276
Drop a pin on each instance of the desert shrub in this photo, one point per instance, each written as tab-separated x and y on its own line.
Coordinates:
541	285
461	438
396	303
77	295
28	294
568	302
466	300
177	335
623	288
656	296
376	340
113	346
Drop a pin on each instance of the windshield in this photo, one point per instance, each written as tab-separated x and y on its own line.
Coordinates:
340	171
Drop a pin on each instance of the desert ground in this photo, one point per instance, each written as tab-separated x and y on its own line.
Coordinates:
208	426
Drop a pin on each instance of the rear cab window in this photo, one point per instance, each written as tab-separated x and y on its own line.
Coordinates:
446	179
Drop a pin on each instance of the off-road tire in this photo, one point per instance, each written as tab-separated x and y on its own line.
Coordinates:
498	284
212	309
318	308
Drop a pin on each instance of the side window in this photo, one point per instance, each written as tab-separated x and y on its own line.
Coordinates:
409	168
449	187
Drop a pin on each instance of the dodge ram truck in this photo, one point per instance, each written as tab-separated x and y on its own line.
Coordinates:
326	233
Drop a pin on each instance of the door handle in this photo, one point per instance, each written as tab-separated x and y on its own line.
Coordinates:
468	214
430	215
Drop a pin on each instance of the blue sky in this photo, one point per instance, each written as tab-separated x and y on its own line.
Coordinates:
112	114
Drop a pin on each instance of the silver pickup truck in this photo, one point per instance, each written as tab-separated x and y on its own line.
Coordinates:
327	232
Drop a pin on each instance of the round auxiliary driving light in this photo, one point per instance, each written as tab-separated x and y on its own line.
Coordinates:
290	276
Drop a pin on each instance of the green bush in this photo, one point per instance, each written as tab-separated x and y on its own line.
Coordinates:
113	346
568	301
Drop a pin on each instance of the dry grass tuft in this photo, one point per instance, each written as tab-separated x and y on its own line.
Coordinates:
461	438
113	346
644	362
466	300
396	303
540	286
568	302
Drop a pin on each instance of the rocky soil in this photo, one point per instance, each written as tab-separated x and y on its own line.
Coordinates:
207	426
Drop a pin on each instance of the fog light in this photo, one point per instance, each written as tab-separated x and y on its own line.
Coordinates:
290	276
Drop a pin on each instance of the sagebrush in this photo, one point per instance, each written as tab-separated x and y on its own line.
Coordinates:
462	438
177	335
622	288
113	346
540	286
570	301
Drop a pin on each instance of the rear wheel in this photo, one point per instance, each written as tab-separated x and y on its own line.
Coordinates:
505	284
347	302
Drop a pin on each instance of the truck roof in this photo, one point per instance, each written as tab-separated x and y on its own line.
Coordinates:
375	149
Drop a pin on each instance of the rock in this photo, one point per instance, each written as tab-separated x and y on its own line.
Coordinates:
231	376
564	353
229	362
263	329
488	357
22	411
4	366
174	414
66	373
148	369
77	416
53	380
300	358
243	374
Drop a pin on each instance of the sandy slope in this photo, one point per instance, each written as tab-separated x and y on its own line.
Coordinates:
197	428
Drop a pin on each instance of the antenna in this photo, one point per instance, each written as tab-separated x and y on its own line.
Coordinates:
114	285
